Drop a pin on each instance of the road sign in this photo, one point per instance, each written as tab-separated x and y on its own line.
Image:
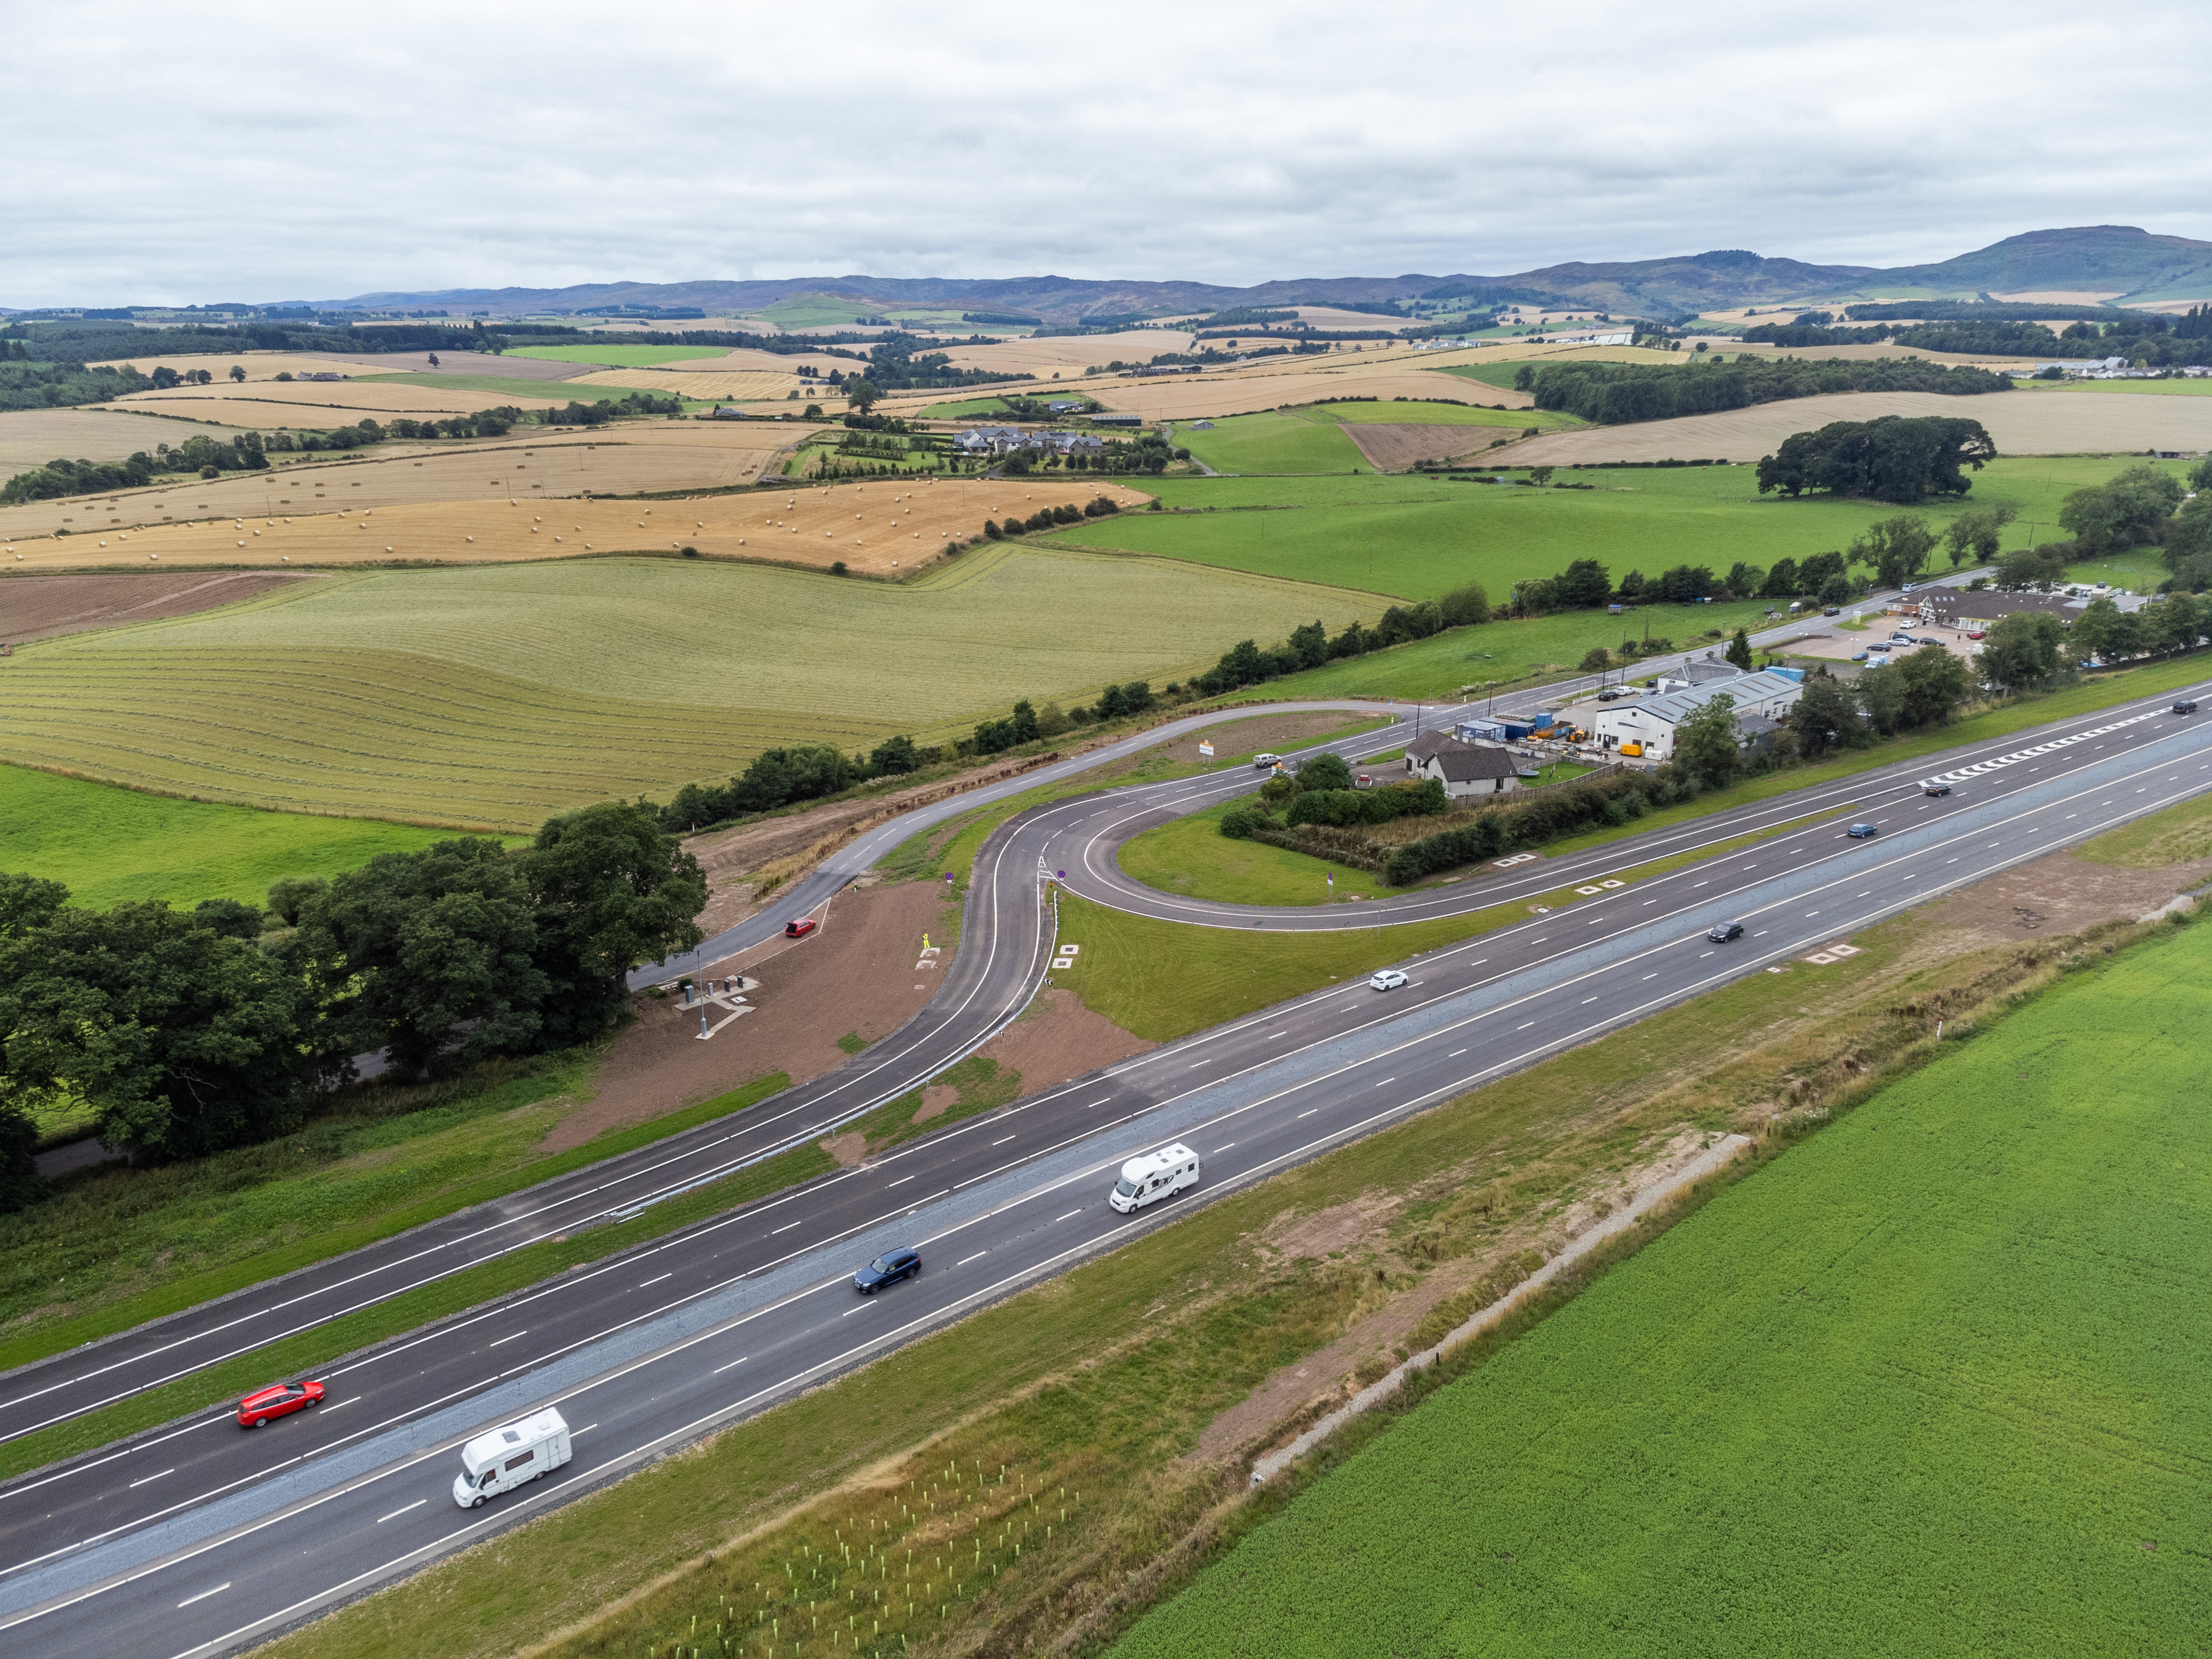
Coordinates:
1205	749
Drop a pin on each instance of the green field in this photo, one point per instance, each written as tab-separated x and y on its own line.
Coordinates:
1274	441
2198	388
1499	374
1417	536
618	356
1191	857
496	695
1931	1384
966	406
110	845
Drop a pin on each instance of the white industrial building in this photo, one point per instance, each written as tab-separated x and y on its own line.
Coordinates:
1651	721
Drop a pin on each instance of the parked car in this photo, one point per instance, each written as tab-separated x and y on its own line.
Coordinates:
277	1400
888	1269
1611	694
1880	645
1389	979
1261	762
2186	706
1861	831
800	928
1858	656
1937	789
1722	932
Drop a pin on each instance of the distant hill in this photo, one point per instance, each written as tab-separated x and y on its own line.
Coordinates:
2098	258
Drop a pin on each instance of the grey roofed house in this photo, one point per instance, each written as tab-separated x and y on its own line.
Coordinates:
1063	405
1430	742
1951	609
1472	769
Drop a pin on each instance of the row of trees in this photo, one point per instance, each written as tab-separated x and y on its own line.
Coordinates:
187	1033
2149	338
1321	793
1613	393
783	777
1309	647
1045	518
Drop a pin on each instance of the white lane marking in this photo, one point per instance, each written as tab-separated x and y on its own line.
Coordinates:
354	1401
901	1182
965	1260
732	1365
1454	1054
204	1594
506	1338
1001	1142
864	1301
1218	1150
1523	1028
150	1478
406	1510
1309	1113
651	1282
788	1226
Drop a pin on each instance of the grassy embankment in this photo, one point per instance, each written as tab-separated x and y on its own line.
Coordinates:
1101	1380
1190	857
1417	536
1936	1373
131	1246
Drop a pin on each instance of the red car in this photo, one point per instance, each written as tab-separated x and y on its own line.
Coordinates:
800	928
277	1400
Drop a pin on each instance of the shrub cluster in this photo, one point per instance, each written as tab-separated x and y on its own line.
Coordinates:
1309	647
1538	818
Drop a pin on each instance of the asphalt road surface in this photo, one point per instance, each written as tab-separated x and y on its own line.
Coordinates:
215	1538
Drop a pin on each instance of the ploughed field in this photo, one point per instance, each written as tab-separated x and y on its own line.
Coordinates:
495	695
1931	1383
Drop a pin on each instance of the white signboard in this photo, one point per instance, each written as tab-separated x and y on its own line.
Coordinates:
1207	750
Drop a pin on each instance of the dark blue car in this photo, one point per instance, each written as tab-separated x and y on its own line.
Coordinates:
888	1269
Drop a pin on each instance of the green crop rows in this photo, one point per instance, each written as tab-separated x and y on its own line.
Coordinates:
1932	1383
496	695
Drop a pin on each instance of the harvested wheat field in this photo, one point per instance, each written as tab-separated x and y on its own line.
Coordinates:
47	607
874	529
644	457
32	437
1317	380
326	403
1068	356
1393	448
718	385
741	359
2039	423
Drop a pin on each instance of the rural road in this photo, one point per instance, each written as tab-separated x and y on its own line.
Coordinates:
649	1349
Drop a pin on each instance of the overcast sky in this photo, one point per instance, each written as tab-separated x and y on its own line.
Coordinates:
227	151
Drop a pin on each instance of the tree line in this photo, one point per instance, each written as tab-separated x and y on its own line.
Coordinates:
185	1033
1616	393
2150	338
1309	647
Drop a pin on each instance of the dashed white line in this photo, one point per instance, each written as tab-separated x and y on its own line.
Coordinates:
521	1333
901	1182
408	1510
217	1590
1057	1219
965	1260
1309	1111
1001	1142
650	1283
134	1484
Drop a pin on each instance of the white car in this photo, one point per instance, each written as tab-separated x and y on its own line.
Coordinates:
1261	762
1389	979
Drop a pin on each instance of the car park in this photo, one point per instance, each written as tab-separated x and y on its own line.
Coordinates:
1936	789
1859	832
888	1269
1389	979
800	928
2186	706
277	1400
1722	932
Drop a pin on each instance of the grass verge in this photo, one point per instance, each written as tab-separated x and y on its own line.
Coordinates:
253	1214
1102	1381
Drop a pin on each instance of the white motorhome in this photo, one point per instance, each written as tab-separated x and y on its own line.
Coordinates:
1154	1177
502	1459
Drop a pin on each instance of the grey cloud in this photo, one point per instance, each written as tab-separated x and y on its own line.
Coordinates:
234	151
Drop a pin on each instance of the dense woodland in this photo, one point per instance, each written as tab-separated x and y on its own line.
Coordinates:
2149	338
194	1032
1614	393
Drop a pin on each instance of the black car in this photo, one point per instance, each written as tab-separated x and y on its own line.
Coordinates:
1722	932
1936	789
888	1269
2186	706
